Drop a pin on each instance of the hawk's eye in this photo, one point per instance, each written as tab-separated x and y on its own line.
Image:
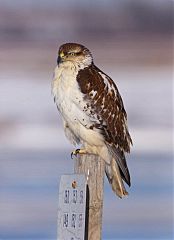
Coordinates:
71	53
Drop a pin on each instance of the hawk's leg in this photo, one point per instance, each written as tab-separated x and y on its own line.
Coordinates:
78	151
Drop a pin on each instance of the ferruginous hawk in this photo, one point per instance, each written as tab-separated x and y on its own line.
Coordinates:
92	111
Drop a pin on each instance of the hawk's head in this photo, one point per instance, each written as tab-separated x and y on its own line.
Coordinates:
75	53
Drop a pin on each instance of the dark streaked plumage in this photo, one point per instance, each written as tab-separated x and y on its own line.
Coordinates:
108	106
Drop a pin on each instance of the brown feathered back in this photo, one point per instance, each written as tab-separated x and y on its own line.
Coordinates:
112	118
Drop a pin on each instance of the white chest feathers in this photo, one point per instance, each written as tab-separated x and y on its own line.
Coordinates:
65	88
71	104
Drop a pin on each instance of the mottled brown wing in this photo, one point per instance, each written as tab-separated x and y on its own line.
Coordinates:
105	101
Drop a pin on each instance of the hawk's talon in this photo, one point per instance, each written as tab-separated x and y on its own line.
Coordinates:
75	152
78	151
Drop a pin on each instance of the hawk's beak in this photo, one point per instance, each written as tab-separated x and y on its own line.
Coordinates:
60	58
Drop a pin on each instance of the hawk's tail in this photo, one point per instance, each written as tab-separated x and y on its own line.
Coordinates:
114	177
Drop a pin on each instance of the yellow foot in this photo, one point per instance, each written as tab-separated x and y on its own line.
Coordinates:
78	151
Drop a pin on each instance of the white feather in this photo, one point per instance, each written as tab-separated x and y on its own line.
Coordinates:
70	102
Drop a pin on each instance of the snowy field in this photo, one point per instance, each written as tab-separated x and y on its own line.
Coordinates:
132	42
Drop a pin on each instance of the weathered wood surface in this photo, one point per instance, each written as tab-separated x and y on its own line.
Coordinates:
93	167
